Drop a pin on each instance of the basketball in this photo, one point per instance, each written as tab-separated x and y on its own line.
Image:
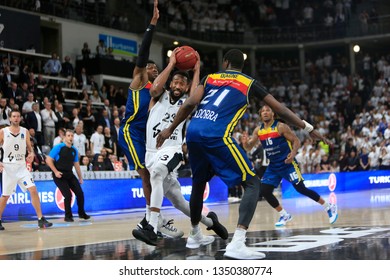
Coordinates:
185	58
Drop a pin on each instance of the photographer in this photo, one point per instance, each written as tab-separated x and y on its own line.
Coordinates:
4	113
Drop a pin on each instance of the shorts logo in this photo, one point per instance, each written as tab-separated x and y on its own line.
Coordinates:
25	183
60	200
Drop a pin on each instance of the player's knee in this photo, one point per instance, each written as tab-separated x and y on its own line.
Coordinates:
159	171
266	190
300	187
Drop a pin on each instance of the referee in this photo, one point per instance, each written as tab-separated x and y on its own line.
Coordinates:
61	160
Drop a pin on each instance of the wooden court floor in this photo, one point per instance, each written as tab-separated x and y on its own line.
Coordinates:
362	232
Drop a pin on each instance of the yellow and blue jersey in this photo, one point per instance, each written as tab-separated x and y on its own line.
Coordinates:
222	106
137	110
132	133
212	149
276	146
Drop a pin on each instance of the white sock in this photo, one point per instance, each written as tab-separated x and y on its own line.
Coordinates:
283	212
147	213
239	234
326	206
195	229
154	220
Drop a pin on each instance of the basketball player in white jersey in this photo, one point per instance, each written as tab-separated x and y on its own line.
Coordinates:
15	141
163	163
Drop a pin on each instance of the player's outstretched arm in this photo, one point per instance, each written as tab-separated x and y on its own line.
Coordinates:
140	76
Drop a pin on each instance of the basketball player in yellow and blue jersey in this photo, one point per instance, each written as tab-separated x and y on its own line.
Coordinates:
281	146
221	100
132	132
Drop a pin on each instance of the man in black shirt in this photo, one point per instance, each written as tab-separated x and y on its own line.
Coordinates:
61	160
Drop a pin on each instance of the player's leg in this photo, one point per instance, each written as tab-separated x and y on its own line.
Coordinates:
173	192
135	155
232	165
202	172
8	183
78	191
270	180
3	204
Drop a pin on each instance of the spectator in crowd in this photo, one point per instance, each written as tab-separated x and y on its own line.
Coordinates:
80	141
53	66
97	140
352	162
4	113
95	97
101	49
75	119
49	119
99	165
14	93
60	137
85	164
63	117
85	51
34	121
109	143
373	158
27	105
364	160
89	120
384	159
67	68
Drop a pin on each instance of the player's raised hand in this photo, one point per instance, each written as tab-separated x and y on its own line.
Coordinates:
156	13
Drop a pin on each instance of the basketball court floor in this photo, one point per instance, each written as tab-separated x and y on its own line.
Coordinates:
362	232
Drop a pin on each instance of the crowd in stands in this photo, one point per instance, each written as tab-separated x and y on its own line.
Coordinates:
225	20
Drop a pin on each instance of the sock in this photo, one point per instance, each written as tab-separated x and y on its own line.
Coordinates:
147	213
239	234
154	220
195	229
283	212
326	206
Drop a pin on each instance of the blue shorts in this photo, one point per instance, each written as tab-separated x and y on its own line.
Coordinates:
133	147
290	172
221	157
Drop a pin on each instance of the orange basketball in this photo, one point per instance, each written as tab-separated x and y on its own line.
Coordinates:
185	58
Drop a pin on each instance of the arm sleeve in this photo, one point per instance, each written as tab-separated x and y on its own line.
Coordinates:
258	90
143	54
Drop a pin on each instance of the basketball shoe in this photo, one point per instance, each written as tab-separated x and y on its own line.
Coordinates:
146	235
283	220
43	223
166	229
196	240
332	213
217	227
237	249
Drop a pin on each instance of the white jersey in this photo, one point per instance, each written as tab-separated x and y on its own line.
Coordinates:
160	117
14	146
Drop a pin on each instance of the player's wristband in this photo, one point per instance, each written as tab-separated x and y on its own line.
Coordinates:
308	127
